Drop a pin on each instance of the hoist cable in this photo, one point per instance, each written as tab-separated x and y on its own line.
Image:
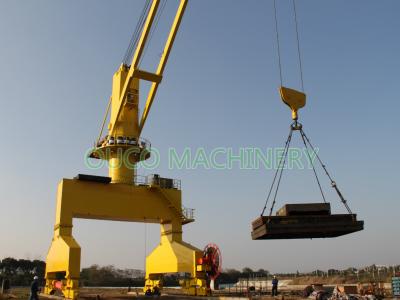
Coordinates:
153	28
135	37
279	48
298	45
145	243
287	143
278	44
132	41
333	183
104	122
312	164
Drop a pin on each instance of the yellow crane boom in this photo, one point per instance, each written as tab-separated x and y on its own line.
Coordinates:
135	72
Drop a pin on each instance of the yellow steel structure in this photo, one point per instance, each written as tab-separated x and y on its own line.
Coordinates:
123	199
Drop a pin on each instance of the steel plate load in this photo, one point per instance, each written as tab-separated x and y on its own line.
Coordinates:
305	225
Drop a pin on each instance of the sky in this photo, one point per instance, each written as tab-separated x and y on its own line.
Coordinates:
220	89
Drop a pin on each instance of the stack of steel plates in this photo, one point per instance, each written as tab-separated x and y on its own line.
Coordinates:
301	221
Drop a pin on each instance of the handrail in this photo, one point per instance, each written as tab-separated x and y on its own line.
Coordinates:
188	213
123	140
154	179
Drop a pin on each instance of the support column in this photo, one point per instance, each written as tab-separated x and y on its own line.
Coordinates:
64	256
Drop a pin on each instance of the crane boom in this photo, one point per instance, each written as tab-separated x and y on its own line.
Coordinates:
135	72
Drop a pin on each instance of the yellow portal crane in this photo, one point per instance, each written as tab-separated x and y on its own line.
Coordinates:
121	196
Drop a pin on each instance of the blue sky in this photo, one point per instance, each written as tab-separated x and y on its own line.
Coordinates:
57	59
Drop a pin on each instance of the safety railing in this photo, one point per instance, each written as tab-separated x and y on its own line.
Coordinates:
124	141
155	179
188	213
140	180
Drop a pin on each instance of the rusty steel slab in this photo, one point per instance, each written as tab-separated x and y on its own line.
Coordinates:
299	209
304	227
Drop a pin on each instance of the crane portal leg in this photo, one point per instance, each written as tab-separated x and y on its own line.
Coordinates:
175	256
64	256
63	266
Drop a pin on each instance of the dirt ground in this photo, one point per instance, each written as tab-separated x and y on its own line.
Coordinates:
16	293
167	294
122	294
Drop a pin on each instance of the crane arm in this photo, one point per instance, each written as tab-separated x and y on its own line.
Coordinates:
135	72
163	61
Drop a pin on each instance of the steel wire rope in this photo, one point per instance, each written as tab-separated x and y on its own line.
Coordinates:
287	143
153	28
312	164
145	243
298	45
279	48
104	122
333	183
280	175
135	36
278	44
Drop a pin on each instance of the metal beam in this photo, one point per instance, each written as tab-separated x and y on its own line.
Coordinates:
163	61
147	76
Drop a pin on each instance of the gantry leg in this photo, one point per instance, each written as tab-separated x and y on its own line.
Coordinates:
63	264
175	256
63	258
